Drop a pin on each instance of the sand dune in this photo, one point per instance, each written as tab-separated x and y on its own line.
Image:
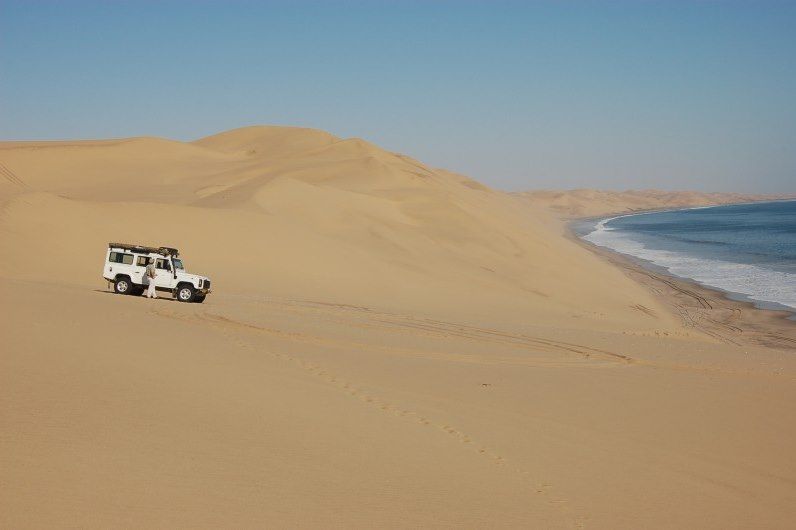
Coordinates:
591	203
387	345
299	212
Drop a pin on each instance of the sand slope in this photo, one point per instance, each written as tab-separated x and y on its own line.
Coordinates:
251	411
388	346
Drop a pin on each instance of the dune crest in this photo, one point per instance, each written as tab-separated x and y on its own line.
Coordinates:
261	140
591	203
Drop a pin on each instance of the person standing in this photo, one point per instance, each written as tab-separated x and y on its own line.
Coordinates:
150	274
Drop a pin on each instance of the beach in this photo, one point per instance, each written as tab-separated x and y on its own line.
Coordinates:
712	311
387	345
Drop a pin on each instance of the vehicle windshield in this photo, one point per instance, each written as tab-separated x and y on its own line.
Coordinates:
178	264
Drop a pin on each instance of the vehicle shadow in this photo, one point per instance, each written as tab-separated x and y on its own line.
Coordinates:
162	298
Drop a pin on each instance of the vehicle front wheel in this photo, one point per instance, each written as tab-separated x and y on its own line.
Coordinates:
186	293
122	285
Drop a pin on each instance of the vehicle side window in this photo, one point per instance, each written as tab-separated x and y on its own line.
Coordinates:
119	257
142	261
163	265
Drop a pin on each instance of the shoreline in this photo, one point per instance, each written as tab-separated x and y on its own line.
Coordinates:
711	311
640	211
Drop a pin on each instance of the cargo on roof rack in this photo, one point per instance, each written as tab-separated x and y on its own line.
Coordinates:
166	251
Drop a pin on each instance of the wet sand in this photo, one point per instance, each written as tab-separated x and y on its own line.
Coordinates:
711	311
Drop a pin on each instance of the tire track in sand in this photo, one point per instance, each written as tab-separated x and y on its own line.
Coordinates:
12	177
366	317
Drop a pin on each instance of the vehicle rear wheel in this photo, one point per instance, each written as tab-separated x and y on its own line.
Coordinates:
186	293
122	285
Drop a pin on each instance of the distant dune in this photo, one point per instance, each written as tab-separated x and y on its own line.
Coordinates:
387	345
589	203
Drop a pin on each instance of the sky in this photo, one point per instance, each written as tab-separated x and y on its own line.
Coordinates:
519	95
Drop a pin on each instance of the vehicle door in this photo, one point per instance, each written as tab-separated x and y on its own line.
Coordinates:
165	276
140	269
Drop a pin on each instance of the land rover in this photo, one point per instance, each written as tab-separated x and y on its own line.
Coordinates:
125	265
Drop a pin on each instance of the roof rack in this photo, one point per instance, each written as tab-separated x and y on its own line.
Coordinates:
166	251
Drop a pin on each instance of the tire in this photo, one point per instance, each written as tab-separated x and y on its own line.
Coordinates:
199	298
122	285
186	293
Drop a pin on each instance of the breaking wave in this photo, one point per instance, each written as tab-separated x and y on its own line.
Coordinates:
757	283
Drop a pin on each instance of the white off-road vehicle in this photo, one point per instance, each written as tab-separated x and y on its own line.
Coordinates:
125	265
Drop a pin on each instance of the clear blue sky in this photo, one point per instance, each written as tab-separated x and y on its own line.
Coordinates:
667	94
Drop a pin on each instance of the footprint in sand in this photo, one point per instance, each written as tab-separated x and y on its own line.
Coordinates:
463	438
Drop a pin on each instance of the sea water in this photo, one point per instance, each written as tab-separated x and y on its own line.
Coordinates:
744	249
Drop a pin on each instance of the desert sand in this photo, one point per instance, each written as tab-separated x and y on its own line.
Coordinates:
387	345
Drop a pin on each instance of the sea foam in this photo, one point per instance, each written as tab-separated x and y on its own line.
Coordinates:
755	282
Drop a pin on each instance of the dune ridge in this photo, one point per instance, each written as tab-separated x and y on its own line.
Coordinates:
591	203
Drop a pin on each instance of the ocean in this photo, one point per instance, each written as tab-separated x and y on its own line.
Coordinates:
747	250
